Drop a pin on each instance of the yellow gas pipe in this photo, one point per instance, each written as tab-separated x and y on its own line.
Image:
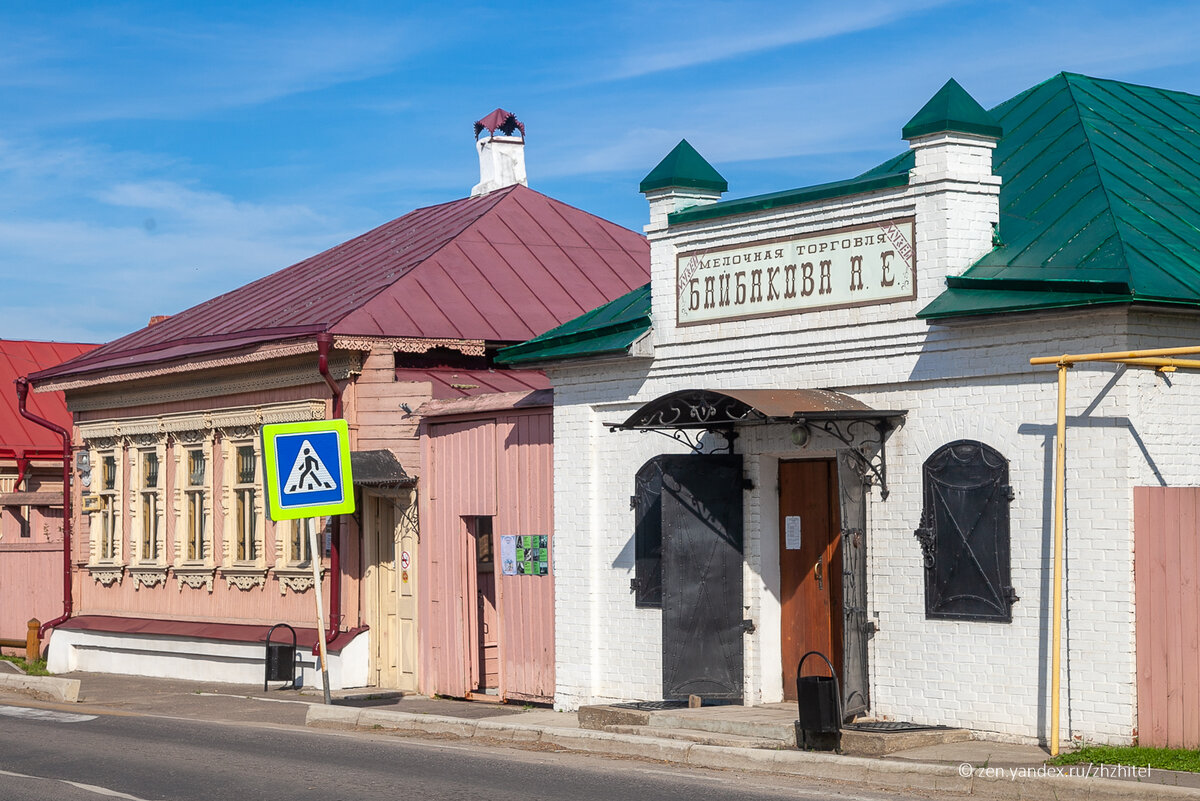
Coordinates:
1060	473
1159	358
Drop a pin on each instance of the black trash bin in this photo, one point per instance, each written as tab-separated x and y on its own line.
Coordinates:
281	658
819	706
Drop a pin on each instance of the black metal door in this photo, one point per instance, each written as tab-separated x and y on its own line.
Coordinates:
702	576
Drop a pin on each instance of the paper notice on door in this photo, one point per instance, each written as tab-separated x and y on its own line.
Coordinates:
791	532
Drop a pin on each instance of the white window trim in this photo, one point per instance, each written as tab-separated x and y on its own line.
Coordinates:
148	571
107	571
293	574
244	574
194	573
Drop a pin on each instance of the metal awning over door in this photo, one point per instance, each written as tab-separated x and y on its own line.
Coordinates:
853	425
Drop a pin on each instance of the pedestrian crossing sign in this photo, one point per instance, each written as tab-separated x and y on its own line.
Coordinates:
307	469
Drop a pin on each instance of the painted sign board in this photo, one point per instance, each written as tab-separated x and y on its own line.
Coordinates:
857	266
307	469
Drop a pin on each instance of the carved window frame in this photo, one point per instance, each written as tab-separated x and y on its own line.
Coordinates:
244	574
293	567
146	505
107	531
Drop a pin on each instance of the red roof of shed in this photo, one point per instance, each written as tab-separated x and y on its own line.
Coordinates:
501	267
20	358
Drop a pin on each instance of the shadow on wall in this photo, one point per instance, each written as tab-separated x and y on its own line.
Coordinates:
1048	433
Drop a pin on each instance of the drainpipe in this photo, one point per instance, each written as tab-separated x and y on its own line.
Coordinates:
22	391
324	345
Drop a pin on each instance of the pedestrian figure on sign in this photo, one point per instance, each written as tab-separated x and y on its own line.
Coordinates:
308	475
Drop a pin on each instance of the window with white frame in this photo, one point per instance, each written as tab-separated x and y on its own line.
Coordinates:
299	546
108	541
150	543
195	510
246	504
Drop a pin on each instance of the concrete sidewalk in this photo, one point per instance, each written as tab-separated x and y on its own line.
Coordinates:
975	767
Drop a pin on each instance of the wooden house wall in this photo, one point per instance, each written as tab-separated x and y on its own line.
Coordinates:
496	465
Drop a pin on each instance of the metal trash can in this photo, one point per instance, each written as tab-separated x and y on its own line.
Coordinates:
819	704
280	658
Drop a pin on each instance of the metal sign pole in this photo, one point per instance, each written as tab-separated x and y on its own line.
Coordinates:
315	555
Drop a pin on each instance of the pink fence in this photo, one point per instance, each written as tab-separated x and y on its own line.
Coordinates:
1167	580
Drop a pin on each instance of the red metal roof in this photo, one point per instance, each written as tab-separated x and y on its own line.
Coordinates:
501	267
451	383
20	358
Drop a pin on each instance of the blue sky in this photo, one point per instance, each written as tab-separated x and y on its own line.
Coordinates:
153	155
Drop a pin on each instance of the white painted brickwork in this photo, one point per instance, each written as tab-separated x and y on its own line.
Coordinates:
965	380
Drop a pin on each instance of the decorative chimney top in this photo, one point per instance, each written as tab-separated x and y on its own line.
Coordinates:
501	157
499	120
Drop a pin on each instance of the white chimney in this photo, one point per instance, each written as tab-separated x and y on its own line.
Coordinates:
501	157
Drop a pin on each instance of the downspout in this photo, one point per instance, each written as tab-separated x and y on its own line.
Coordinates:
23	391
324	345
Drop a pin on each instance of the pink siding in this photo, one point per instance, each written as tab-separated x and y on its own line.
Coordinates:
498	464
30	581
1167	582
526	489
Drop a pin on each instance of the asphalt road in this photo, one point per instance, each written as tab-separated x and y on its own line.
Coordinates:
47	755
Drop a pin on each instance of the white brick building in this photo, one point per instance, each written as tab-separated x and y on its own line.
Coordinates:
1031	212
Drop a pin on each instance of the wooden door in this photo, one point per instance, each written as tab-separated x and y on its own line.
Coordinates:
382	572
405	536
810	568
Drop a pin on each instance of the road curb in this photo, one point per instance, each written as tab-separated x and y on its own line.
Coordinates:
877	774
46	688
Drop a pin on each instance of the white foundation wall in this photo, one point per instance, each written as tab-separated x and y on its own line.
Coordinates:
196	660
961	382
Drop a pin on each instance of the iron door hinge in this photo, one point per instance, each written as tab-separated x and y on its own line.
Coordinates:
748	626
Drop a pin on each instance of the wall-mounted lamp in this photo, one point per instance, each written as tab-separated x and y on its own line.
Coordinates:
801	435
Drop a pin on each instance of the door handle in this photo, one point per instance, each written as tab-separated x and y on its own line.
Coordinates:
820	574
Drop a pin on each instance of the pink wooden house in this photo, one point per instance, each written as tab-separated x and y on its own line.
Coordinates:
31	481
178	571
487	464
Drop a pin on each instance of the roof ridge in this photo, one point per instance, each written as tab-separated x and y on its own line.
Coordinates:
1102	179
499	194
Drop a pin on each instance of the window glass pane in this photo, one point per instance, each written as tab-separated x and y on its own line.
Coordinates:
110	472
196	468
150	469
245	464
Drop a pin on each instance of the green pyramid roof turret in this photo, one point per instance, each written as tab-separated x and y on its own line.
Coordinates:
952	109
684	167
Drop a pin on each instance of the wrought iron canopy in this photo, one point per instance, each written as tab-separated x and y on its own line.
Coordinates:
860	430
726	408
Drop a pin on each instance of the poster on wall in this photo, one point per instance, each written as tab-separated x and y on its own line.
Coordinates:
524	555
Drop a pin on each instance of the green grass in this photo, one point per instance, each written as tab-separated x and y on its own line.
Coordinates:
1137	756
34	668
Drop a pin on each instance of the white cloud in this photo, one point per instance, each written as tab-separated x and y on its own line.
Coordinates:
700	33
182	66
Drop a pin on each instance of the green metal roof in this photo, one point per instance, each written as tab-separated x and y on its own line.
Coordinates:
791	197
1098	185
604	331
684	167
1099	205
952	109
